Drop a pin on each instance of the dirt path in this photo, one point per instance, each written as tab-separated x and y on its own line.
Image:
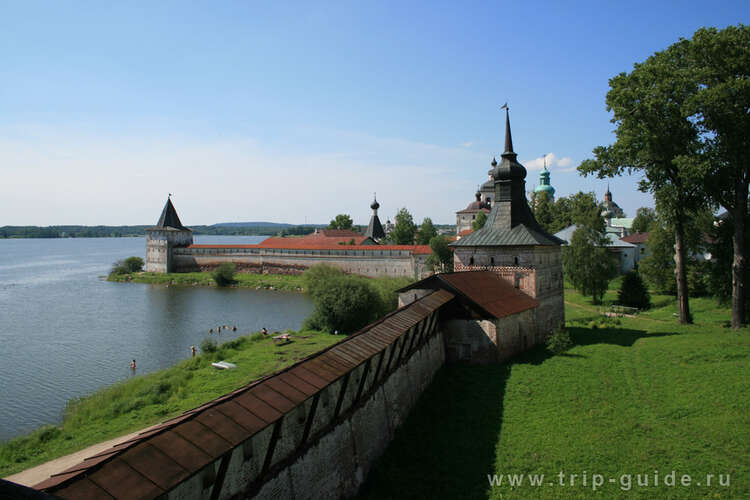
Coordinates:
36	475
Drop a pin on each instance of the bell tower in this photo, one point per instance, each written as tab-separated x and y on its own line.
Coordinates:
513	244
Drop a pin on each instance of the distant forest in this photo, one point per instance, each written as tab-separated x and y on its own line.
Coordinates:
229	229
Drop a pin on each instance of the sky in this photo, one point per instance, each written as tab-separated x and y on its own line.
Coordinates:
295	112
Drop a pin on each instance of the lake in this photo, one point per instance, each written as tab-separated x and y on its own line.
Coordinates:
65	332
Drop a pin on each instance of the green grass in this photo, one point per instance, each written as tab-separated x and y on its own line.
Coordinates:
292	283
632	396
145	400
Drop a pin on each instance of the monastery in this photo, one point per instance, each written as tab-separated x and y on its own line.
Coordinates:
314	429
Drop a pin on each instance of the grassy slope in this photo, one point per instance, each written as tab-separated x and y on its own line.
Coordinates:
244	280
145	400
630	398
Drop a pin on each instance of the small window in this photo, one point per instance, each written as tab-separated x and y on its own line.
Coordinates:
492	261
515	261
471	261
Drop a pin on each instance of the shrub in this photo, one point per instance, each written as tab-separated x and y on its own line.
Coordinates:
559	341
633	292
343	304
224	274
133	264
208	346
118	268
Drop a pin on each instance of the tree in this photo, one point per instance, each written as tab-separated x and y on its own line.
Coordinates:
126	266
633	293
655	137
404	230
426	232
720	62
588	264
478	223
544	210
720	268
342	221
441	257
644	217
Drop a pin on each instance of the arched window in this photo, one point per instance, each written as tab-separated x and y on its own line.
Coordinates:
515	261
492	261
471	261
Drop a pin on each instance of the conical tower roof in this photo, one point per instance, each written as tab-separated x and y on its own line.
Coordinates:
169	218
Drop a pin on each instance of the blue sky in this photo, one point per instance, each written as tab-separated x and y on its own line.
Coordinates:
294	112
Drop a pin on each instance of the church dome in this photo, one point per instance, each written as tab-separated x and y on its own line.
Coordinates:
375	205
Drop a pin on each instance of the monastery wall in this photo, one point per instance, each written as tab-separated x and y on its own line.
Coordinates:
371	263
324	447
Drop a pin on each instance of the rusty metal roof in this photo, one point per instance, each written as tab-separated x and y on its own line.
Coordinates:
485	289
162	456
322	244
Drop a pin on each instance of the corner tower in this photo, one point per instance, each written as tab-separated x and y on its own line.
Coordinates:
167	234
514	245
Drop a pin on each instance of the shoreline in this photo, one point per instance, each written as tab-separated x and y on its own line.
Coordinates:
278	282
137	403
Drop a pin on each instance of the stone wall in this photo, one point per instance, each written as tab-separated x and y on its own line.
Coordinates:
372	263
323	448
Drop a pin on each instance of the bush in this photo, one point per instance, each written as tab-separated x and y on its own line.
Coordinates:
343	304
224	274
126	266
208	346
133	264
559	341
633	292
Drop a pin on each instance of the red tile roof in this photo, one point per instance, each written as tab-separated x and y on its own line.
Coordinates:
161	457
303	244
636	238
334	233
466	232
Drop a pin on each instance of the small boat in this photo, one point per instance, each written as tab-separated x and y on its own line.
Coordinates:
224	365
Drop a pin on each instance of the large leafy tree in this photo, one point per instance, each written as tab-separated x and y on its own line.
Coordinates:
588	264
543	207
426	232
441	257
644	217
405	229
342	221
720	62
655	138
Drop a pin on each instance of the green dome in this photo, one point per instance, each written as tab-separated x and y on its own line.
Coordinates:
544	185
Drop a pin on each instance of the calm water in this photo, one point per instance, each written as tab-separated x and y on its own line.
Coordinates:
64	332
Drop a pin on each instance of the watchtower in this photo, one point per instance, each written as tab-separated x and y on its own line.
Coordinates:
162	239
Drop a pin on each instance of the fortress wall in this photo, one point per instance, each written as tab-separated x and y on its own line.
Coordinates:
277	261
324	446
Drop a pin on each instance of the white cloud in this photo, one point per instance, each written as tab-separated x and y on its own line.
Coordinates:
552	162
466	144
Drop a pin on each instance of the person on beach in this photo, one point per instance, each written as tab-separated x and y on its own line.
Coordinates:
264	331
193	350
132	365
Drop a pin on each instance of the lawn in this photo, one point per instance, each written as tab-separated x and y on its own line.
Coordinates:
633	396
149	399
